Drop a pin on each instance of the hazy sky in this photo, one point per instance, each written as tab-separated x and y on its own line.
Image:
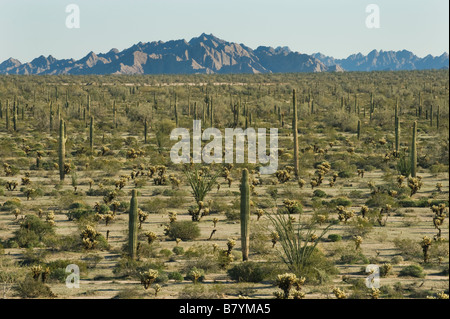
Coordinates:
30	28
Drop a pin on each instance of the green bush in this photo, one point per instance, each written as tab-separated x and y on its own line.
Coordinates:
340	201
177	250
32	232
248	271
185	230
176	276
30	288
334	237
319	193
412	271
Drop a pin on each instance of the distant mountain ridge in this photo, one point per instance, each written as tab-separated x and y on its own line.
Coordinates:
208	54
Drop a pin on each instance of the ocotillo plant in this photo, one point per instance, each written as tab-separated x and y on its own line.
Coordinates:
414	150
245	214
91	134
295	131
62	150
133	225
397	130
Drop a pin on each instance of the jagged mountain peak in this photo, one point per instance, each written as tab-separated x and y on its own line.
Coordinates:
210	54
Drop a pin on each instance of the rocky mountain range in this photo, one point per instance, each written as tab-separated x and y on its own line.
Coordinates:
208	54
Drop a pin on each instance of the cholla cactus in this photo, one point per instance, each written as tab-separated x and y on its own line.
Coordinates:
439	187
157	288
425	244
385	269
230	244
375	293
414	183
142	217
172	217
360	173
151	237
439	217
89	236
195	275
148	277
400	179
259	212
364	211
292	206
177	241
274	238
301	183
393	193
343	214
174	181
283	176
385	211
16	212
215	221
50	218
36	271
358	241
340	294
285	283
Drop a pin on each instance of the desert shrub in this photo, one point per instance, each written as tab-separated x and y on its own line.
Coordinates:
165	252
30	288
380	200
177	250
126	267
185	230
319	193
232	214
248	271
32	232
127	293
334	237
340	201
412	271
206	262
409	248
397	260
175	276
11	204
197	292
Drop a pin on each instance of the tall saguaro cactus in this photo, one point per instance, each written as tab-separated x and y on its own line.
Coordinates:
91	134
245	214
133	225
145	130
397	130
359	129
62	150
7	115
295	131
414	150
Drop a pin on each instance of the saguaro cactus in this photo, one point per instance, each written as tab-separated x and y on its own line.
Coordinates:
62	149
133	225
15	116
145	130
7	115
91	134
397	130
437	116
175	110
295	131
414	150
359	129
245	214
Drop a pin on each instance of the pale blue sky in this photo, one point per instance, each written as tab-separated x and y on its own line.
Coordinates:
29	28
